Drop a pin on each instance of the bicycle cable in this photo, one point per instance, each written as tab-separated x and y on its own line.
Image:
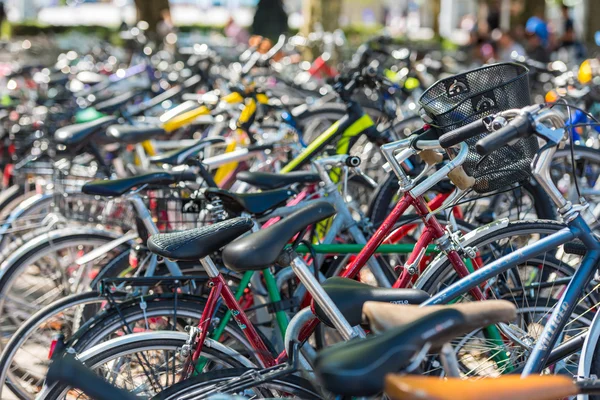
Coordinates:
572	146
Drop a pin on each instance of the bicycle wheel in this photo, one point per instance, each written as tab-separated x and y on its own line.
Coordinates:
205	385
9	194
24	360
533	286
32	210
587	172
44	270
165	312
144	363
528	201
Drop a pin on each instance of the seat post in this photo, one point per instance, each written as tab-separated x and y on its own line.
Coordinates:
209	266
449	361
320	296
143	213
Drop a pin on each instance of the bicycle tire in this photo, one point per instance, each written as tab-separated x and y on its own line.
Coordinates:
442	273
290	384
10	193
18	263
28	328
188	306
139	342
386	194
428	280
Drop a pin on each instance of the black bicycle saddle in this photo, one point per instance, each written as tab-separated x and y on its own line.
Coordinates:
262	249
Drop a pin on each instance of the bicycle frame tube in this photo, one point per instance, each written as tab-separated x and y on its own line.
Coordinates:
434	204
331	249
351	125
378	238
434	231
568	301
415	257
221	290
501	265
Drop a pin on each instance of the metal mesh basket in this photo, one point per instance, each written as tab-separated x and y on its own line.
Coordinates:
175	208
73	205
461	99
172	208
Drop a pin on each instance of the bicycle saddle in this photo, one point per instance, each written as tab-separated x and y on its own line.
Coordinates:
90	78
513	387
180	156
77	134
383	316
195	244
358	367
58	78
114	103
261	249
117	187
350	295
133	134
266	180
253	203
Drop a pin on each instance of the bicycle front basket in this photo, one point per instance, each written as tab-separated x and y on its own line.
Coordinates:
460	99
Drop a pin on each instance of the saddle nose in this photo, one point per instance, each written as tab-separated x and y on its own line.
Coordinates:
195	244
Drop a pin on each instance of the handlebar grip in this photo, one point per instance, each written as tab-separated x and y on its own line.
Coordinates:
353	161
261	147
461	180
463	133
518	127
431	157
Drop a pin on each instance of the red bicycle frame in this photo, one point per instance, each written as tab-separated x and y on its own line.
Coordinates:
219	289
433	231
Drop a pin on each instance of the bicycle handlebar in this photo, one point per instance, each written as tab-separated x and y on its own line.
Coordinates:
519	127
463	133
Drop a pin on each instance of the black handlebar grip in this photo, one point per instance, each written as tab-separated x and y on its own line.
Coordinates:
518	127
261	147
463	133
353	161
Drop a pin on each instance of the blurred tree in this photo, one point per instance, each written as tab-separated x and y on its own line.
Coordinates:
593	22
321	14
532	8
436	6
270	19
152	11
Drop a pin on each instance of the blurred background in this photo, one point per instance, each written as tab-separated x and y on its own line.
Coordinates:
480	30
453	20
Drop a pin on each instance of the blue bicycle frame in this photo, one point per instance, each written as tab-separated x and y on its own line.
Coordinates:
576	228
578	118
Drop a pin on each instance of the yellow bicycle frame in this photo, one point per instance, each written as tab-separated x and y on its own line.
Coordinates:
343	146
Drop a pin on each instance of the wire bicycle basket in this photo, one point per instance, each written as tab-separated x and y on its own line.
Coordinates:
172	208
460	99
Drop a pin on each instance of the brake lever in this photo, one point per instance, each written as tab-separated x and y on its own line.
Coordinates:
358	171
